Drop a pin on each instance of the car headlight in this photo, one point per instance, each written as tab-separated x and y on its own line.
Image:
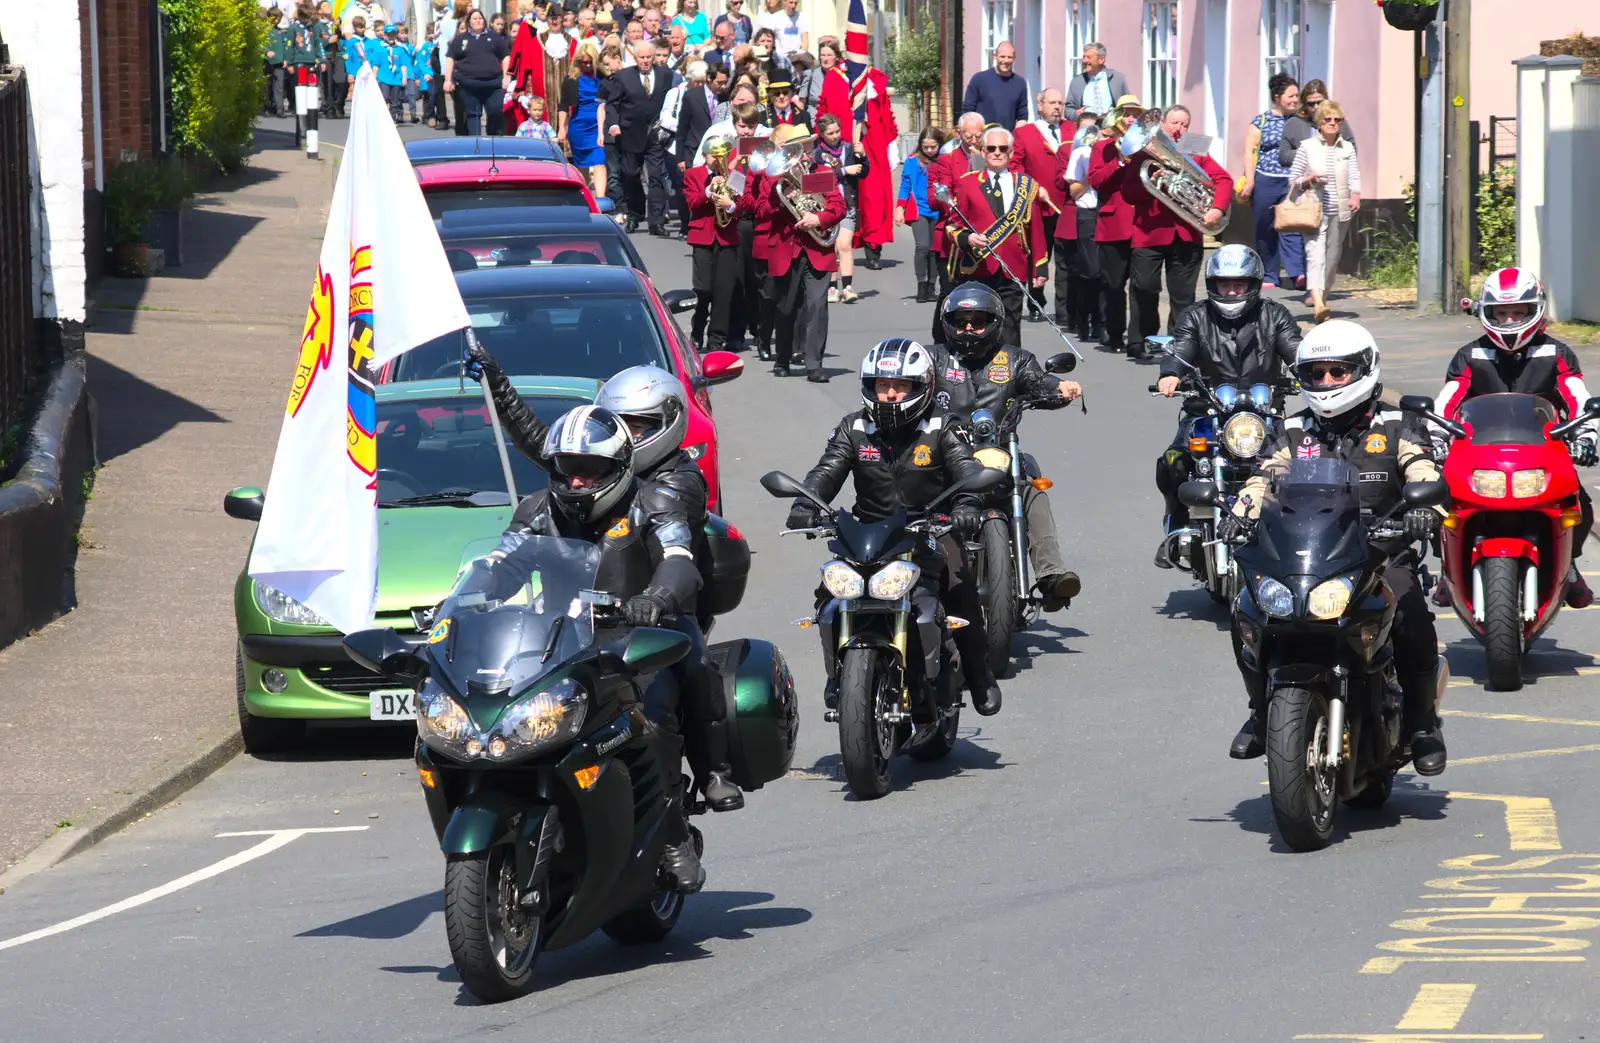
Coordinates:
444	725
695	452
891	582
1329	598
1531	482
283	608
1274	598
989	456
551	715
842	581
1244	435
1490	484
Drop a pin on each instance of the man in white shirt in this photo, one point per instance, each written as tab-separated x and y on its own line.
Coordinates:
789	25
1085	288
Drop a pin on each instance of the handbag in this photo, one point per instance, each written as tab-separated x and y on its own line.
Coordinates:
1300	214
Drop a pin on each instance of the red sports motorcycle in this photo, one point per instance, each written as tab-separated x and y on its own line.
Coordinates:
1506	545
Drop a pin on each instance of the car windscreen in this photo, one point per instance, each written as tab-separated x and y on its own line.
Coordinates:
481	197
560	336
536	250
429	448
1507	419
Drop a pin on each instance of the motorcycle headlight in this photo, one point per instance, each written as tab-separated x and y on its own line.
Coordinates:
1329	598
548	716
1274	598
283	608
891	582
1531	482
997	459
842	581
1244	435
443	724
1489	484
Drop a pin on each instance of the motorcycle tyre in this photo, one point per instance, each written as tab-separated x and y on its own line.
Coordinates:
1292	717
468	882
1502	623
867	764
999	593
940	746
1375	795
653	921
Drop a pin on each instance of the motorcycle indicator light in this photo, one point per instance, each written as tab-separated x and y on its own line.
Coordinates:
1199	445
1042	484
842	581
1571	517
1488	484
429	779
587	777
1531	482
1330	598
1452	521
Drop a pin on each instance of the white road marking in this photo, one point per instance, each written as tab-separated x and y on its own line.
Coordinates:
276	838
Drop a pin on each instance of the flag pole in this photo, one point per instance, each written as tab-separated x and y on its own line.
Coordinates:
494	421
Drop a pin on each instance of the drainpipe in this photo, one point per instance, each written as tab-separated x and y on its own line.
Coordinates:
94	88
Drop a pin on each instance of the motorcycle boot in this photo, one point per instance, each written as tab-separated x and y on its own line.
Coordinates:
1055	583
1422	724
721	792
679	859
1251	740
973	646
1578	593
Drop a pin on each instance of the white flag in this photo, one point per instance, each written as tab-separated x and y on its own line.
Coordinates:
383	286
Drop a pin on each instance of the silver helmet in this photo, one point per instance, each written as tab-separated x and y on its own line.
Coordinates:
591	462
652	403
1234	261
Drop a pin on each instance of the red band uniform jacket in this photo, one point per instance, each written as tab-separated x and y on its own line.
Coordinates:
785	243
1153	224
703	228
1024	251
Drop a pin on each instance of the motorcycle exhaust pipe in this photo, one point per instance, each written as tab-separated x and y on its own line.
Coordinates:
1441	682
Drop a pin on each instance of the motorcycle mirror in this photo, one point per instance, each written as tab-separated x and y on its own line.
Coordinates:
1425	494
1063	362
784	487
650	649
1416	404
1159	343
1592	407
246	502
384	652
1198	494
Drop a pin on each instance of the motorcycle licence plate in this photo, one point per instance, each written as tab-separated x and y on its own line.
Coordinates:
393	704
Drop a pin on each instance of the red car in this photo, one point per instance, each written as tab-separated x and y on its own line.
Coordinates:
571	320
482	184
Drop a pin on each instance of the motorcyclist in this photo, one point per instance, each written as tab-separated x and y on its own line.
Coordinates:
975	371
1234	336
647	561
1337	367
653	405
901	456
1516	354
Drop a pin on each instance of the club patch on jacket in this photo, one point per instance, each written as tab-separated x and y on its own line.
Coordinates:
923	456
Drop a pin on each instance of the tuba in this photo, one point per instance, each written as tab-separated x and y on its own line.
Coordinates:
1176	180
787	163
718	148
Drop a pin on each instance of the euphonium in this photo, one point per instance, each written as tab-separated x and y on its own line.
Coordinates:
1176	180
718	149
789	162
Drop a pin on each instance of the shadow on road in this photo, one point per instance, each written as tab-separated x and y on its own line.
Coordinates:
388	923
1410	800
350	742
968	755
1195	603
133	412
1544	659
1042	639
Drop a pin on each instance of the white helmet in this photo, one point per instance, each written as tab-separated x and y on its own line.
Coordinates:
1338	340
652	403
1512	286
898	358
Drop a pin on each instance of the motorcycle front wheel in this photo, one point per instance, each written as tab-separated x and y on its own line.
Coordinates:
867	741
1502	623
1303	791
494	940
999	592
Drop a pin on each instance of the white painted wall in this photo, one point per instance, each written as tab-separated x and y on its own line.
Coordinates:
45	40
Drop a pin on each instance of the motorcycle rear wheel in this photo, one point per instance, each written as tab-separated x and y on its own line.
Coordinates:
1303	793
999	593
1375	795
494	943
867	742
940	745
1502	623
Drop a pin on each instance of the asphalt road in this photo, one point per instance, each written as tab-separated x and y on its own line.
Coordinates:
1088	865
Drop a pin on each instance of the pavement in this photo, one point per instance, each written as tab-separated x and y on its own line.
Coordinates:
1087	865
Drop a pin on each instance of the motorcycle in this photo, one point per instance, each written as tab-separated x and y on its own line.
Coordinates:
547	785
1506	545
1314	619
1000	551
1225	443
886	643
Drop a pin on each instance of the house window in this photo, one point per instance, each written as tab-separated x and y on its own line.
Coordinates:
1280	35
996	27
1161	53
1082	32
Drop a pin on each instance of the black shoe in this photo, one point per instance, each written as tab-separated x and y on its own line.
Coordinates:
1247	745
631	225
722	793
764	352
985	694
817	376
1035	315
874	259
780	369
660	232
1427	751
1163	559
1059	590
682	864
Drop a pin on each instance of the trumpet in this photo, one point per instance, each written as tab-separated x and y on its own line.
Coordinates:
1176	180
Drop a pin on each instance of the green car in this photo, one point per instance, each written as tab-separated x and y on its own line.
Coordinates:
441	492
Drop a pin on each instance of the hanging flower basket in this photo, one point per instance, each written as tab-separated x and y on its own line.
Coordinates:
1405	15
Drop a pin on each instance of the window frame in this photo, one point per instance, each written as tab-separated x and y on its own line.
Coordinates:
994	12
1158	29
1082	30
1282	42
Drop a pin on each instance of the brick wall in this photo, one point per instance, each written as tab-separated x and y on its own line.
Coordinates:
124	77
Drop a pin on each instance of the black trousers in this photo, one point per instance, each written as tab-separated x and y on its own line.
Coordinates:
1181	262
946	284
1062	253
1114	261
436	92
1011	296
483	103
753	294
1036	296
648	164
395	95
1087	297
716	276
801	304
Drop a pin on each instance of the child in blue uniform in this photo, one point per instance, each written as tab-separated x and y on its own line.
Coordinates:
391	60
407	54
423	72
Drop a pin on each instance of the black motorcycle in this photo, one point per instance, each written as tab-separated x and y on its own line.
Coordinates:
1000	551
1225	443
894	677
1314	618
547	784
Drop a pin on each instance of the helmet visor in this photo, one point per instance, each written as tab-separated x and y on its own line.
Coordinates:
642	426
1328	374
1509	318
578	472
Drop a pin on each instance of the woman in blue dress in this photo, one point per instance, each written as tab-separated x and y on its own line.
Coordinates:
580	104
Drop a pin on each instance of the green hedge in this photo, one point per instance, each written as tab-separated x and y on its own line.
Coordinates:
214	54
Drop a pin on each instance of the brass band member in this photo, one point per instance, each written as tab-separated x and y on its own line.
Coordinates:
715	209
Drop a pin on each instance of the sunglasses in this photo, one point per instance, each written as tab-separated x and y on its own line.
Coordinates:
997	148
1321	371
1335	120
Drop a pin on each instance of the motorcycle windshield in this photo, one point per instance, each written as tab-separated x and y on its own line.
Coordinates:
1508	419
1311	520
507	623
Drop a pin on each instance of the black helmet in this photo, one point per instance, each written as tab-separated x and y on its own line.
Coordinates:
897	358
975	304
1234	261
591	462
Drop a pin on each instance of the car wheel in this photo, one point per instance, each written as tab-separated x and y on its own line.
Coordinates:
263	734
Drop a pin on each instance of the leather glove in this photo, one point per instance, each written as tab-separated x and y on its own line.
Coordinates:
646	608
1583	451
475	357
1230	526
1441	448
803	515
1421	523
966	520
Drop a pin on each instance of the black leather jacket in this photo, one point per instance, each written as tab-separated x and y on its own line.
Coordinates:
999	379
1254	349
893	470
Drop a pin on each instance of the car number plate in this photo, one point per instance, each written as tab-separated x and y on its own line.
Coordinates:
393	704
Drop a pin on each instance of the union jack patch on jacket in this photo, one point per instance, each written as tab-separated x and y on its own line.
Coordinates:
868	452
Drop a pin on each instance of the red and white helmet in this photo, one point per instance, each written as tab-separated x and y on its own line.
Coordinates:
1512	286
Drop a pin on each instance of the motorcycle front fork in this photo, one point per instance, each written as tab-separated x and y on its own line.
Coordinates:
1019	529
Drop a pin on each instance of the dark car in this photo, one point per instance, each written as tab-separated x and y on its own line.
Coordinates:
440	150
522	236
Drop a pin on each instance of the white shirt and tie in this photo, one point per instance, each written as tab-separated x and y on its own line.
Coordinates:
1008	188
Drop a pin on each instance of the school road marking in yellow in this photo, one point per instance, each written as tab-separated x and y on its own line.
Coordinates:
1432	1015
1524	718
1530	821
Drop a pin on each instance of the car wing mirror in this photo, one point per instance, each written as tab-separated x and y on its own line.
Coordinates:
719	367
244	503
604	205
679	302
